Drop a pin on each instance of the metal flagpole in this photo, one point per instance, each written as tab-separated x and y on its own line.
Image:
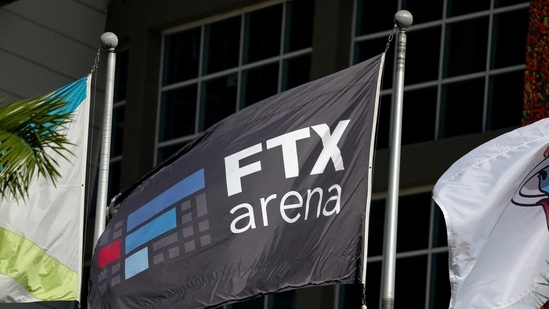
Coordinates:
109	41
403	20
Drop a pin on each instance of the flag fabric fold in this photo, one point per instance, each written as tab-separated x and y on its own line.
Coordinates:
495	203
41	236
272	198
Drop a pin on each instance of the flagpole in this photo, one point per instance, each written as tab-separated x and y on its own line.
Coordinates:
403	19
109	41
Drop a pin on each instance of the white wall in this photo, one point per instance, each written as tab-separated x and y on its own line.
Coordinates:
47	44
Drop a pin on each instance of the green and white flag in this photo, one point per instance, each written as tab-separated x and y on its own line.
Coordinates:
41	235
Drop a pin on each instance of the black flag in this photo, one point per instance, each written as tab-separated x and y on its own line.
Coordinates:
269	199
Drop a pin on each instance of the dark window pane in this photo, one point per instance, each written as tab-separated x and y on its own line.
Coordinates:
376	228
181	56
505	101
259	83
375	16
440	234
117	135
502	3
218	100
413	234
296	71
383	122
460	7
509	38
462	108
177	113
114	179
221	45
284	300
440	282
350	295
465	48
254	303
167	151
367	49
410	282
262	34
121	76
419	115
422	55
299	25
423	10
373	285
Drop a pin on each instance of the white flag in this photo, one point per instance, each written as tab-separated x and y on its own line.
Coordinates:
41	237
495	201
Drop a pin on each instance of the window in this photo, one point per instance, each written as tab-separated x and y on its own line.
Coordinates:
283	300
422	256
213	69
464	62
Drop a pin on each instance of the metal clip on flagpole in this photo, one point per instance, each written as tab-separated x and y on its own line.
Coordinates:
109	41
403	20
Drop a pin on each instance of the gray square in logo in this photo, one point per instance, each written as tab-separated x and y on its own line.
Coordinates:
188	232
118	224
173	252
115	268
201	207
203	226
115	280
165	241
186	218
190	246
205	240
186	205
102	275
116	234
159	258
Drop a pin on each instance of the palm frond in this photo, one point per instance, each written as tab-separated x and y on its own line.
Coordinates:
27	129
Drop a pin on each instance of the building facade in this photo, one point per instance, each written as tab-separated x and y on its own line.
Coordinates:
45	45
184	65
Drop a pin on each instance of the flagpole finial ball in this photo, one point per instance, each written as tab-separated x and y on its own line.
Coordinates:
403	19
109	40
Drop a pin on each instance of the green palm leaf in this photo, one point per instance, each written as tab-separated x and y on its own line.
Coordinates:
27	129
